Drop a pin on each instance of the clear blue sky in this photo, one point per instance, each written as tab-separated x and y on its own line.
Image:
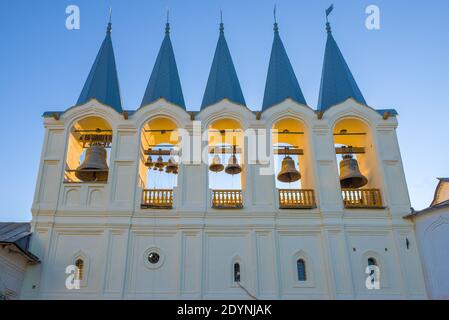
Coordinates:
43	66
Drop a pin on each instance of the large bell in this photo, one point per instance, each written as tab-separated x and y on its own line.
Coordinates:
216	165
288	172
94	166
350	175
233	166
171	166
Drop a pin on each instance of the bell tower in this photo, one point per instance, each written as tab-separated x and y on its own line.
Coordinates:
289	202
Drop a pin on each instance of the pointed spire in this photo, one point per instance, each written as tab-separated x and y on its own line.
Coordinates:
281	79
102	82
164	80
223	82
337	82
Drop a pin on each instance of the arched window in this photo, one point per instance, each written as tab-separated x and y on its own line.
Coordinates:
79	269
301	268
236	272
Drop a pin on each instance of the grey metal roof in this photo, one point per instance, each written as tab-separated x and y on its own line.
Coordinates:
102	82
164	81
337	82
223	82
281	79
18	235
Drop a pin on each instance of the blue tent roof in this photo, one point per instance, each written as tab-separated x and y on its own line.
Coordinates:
337	81
164	81
223	81
281	79
102	82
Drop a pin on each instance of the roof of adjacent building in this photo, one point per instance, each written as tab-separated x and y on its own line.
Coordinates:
337	82
102	83
164	81
281	79
440	200
19	236
223	82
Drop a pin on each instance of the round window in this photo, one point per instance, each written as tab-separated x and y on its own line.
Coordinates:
154	257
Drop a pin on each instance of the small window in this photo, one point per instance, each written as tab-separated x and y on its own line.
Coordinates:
236	272
79	269
301	267
372	262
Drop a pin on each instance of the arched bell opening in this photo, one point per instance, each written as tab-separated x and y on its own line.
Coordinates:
88	152
293	165
358	170
159	163
226	163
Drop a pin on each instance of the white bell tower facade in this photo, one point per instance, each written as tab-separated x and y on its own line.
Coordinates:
150	218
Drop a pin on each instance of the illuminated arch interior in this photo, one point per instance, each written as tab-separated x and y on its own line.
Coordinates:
158	134
76	150
226	133
356	133
291	133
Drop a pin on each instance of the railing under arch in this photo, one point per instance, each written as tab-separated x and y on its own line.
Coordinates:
362	199
296	199
157	199
227	199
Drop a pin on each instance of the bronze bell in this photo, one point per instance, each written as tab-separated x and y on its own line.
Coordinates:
172	165
149	163
288	172
216	165
94	166
233	166
350	175
159	165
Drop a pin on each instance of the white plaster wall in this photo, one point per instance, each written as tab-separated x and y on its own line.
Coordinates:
12	272
432	230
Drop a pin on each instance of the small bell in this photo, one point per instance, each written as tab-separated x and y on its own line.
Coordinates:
350	175
288	172
233	167
94	166
159	165
216	165
149	162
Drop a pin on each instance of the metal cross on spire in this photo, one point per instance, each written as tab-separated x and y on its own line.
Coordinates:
167	24
221	22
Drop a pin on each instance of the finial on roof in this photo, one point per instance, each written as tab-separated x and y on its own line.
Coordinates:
276	28
167	25
221	22
109	29
328	25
